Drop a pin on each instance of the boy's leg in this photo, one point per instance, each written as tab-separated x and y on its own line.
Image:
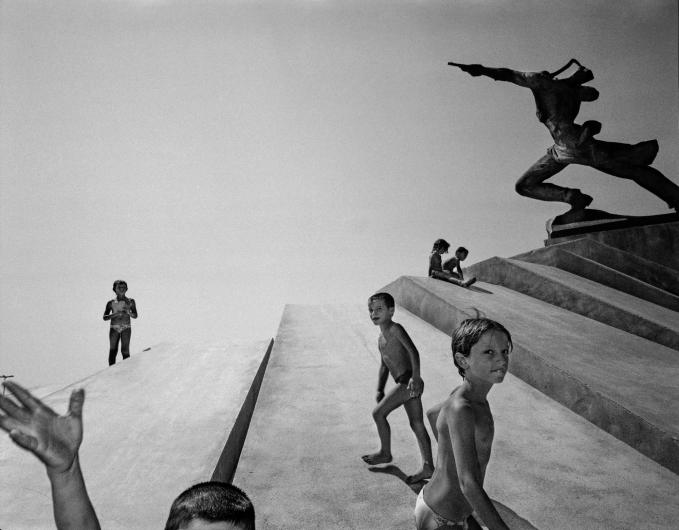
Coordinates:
125	342
416	417
113	338
394	399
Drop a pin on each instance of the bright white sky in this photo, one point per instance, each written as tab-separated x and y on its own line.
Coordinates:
228	157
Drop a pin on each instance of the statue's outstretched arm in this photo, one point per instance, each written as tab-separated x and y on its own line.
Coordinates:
498	74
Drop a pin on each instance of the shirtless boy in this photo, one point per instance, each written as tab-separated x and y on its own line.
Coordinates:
463	427
400	359
118	311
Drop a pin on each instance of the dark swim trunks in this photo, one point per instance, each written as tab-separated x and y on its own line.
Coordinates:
404	378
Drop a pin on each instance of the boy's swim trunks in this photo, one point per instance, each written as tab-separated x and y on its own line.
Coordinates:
428	519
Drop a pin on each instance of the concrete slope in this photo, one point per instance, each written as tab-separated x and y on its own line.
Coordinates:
301	464
647	271
562	257
583	296
654	242
154	425
620	382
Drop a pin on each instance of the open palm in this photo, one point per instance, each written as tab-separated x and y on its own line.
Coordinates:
37	428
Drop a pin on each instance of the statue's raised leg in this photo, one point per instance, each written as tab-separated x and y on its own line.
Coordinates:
531	184
648	178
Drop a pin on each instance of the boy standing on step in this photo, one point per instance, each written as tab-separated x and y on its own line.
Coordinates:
401	359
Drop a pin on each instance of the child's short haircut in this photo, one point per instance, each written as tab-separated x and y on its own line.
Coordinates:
384	297
469	332
119	282
440	244
213	502
462	250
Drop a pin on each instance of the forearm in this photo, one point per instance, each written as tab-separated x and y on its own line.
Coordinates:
483	506
382	376
72	506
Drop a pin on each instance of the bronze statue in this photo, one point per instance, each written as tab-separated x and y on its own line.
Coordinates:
558	103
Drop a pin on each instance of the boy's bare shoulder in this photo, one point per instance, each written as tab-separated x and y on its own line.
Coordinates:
456	406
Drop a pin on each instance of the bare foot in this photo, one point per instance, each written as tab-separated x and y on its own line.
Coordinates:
426	472
470	281
377	458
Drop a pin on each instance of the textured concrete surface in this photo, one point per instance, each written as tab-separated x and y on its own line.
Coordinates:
649	272
154	424
623	383
561	257
550	468
583	296
658	243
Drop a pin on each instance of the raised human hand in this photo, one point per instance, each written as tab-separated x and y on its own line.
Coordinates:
34	426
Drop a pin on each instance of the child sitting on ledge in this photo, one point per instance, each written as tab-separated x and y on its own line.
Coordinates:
450	271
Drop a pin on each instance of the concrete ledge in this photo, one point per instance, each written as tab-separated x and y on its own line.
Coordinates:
154	424
561	257
583	296
658	243
228	461
622	383
301	463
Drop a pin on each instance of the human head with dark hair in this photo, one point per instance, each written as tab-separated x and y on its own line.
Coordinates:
384	297
468	333
121	283
204	505
441	246
461	253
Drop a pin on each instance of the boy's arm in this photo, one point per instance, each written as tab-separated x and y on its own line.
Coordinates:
382	376
133	308
108	310
433	416
459	270
461	429
55	441
416	384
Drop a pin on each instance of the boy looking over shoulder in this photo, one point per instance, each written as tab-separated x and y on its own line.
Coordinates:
463	426
400	358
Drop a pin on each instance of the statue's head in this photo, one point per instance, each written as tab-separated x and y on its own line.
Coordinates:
587	93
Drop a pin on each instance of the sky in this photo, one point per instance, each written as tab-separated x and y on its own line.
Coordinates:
228	157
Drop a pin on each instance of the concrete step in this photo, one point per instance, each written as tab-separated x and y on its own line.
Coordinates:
301	464
655	242
602	264
154	424
620	382
583	296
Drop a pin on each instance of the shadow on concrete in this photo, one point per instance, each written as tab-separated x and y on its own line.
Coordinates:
509	516
391	469
478	289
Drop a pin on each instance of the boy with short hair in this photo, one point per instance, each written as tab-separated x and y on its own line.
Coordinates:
55	440
400	358
212	502
463	427
118	311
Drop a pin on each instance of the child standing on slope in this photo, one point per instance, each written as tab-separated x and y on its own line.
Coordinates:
463	426
402	360
118	311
